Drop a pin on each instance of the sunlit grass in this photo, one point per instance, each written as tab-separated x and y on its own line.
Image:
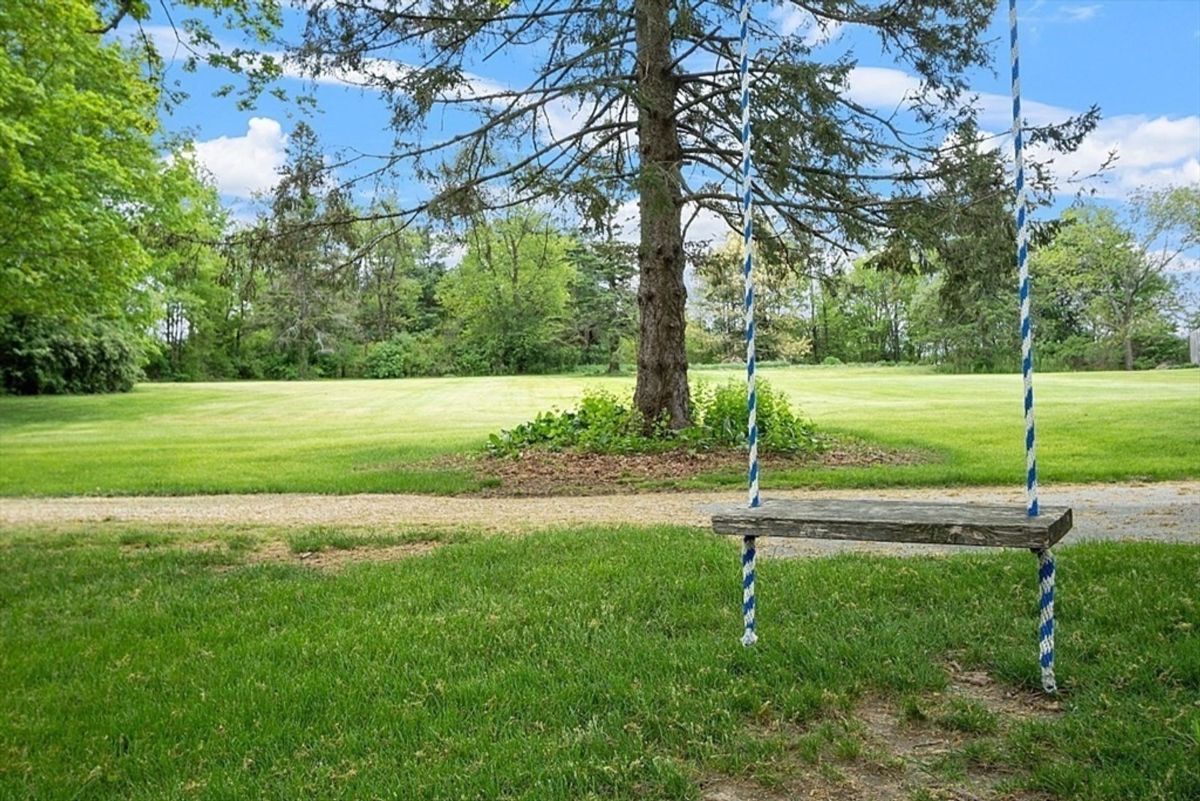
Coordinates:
378	436
584	664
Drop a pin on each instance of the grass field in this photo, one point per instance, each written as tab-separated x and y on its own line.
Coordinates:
582	665
373	436
166	663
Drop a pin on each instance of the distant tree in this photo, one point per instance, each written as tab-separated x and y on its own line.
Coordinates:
106	230
962	229
190	300
396	280
1112	275
603	298
878	308
1166	223
509	295
719	293
308	256
780	287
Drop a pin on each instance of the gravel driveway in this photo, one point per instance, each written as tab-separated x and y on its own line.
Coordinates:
1162	511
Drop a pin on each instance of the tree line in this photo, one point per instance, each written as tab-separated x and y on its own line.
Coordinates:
1104	297
875	244
317	288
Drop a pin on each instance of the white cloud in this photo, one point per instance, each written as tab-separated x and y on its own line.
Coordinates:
995	110
1059	12
1080	13
790	20
1183	263
453	254
1151	151
559	118
172	43
882	87
887	88
707	227
244	165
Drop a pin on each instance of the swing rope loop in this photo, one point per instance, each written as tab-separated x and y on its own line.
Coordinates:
749	637
1031	481
1045	558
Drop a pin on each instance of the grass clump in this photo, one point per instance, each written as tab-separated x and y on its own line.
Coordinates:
968	716
910	709
606	423
327	538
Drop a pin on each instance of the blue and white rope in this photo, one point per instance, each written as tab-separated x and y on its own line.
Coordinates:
1046	620
1045	558
1031	482
748	550
749	637
748	254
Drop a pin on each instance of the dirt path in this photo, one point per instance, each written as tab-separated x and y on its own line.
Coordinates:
1166	511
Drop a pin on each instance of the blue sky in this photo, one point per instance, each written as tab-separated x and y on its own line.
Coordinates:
1139	60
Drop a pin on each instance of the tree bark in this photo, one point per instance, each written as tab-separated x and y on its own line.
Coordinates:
1128	352
662	388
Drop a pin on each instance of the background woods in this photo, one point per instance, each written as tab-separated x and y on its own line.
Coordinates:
118	259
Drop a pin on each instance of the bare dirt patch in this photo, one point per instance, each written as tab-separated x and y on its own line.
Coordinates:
541	472
279	552
908	750
1009	703
729	790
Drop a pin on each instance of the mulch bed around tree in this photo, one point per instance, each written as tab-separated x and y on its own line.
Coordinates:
540	472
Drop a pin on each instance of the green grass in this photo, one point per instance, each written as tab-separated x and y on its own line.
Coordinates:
570	665
378	436
968	716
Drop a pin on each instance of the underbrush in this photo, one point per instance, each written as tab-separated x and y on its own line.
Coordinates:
606	423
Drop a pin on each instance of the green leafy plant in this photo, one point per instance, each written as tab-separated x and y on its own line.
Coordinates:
601	424
604	423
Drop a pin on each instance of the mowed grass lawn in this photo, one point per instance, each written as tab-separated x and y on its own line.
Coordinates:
586	664
378	436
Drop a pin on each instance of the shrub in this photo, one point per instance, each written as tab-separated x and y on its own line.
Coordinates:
831	360
404	356
1159	347
42	357
723	419
603	423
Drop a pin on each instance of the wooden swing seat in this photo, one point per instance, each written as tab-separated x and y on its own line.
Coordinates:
897	521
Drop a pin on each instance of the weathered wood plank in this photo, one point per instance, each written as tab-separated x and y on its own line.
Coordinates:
897	521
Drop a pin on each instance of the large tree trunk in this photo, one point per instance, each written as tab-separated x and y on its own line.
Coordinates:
662	388
1128	352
